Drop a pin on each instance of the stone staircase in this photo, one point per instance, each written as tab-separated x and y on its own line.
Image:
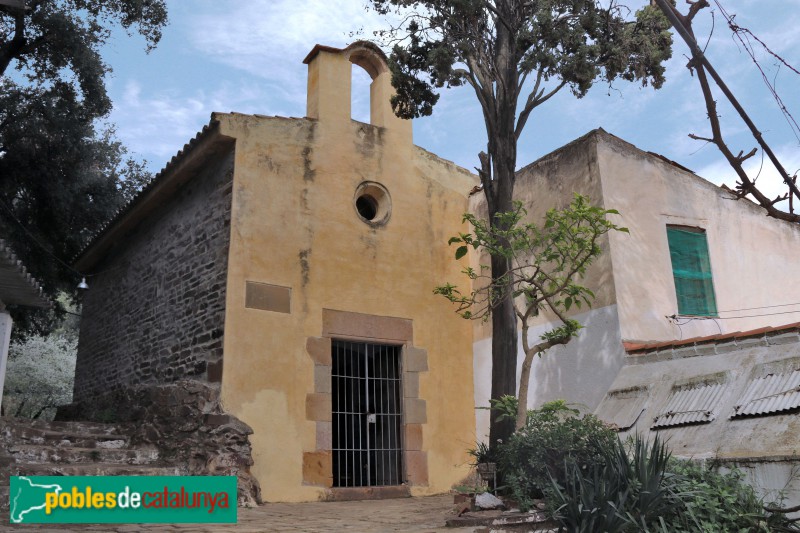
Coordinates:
39	448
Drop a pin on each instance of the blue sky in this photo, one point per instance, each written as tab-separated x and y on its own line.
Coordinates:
222	55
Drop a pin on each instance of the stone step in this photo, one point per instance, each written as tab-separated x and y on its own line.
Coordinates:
62	438
4	503
95	428
33	453
93	469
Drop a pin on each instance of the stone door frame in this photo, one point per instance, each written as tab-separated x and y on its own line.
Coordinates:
345	325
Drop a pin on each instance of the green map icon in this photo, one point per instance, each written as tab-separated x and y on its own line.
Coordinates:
122	499
28	499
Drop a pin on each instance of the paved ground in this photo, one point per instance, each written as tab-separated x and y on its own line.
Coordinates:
417	515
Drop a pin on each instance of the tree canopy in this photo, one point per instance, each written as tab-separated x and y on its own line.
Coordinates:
59	41
62	173
515	55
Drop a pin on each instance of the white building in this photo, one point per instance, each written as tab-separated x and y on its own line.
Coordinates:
693	252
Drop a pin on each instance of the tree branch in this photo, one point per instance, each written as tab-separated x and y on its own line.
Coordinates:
742	158
698	138
683	25
11	49
498	16
533	102
747	185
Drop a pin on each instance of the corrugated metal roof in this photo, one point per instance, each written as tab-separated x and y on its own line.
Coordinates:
690	405
622	410
17	286
770	394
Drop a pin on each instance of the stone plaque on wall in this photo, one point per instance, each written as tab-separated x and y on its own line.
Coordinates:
268	297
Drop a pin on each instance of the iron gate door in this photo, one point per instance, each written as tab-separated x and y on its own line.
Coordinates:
367	414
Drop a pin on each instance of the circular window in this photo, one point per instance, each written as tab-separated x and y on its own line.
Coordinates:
373	203
367	207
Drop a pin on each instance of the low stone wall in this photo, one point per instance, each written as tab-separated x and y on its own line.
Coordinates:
188	425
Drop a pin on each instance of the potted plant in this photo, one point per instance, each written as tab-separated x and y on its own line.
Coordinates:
484	462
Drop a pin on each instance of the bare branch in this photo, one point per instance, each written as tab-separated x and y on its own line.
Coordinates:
698	138
694	8
699	63
534	100
743	158
780	198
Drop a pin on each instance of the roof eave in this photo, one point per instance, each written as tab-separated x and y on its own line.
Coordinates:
175	174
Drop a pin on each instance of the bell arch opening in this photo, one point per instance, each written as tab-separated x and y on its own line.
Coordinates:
372	63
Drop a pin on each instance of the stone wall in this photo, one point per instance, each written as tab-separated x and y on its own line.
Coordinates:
185	421
155	311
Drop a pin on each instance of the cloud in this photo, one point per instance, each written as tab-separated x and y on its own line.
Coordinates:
158	123
268	39
265	42
247	57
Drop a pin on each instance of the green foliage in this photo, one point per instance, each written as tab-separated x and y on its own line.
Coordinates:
715	501
471	489
58	42
591	500
39	375
481	453
546	263
639	487
503	408
627	491
62	175
515	55
554	440
547	260
61	179
41	369
570	42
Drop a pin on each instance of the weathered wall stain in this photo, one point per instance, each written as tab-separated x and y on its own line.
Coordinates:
308	172
305	268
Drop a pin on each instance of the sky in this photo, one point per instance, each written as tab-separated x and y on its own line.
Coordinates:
246	56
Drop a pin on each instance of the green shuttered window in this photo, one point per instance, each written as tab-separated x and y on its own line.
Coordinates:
691	269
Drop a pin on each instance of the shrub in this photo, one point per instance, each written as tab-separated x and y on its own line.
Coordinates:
555	439
638	487
627	491
715	501
39	375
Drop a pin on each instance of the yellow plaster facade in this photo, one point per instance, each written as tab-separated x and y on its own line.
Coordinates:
295	228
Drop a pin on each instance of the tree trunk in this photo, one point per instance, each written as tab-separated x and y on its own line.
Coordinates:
10	49
504	317
503	152
524	380
504	357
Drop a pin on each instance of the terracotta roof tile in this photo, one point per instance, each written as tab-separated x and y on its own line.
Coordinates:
752	333
649	346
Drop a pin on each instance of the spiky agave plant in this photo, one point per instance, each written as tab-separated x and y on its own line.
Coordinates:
628	491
